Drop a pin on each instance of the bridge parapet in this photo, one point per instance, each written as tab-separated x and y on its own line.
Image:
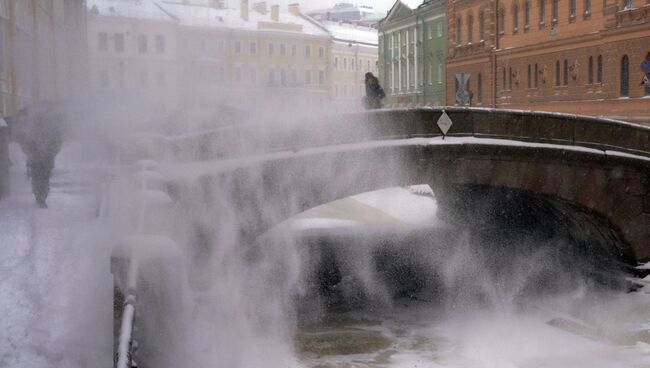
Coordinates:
524	126
4	158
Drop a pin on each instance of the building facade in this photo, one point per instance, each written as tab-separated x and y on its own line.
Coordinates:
551	55
42	51
412	53
354	53
362	15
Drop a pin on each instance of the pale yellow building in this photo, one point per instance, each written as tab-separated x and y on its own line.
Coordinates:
42	51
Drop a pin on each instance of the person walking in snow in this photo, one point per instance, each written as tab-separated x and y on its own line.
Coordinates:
374	92
37	130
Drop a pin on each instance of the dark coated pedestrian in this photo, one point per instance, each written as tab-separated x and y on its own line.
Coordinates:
38	131
374	92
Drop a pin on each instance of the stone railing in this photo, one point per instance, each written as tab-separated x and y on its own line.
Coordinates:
523	126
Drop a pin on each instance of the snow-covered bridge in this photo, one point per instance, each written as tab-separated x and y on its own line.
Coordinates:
588	170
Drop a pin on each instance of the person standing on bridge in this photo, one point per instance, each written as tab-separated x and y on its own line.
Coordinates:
374	92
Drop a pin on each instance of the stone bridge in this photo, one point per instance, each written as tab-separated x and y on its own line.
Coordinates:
590	172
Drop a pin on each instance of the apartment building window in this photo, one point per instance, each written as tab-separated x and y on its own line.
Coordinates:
599	73
293	50
439	71
526	16
554	10
252	48
119	42
321	77
515	19
143	45
565	79
459	25
557	73
307	51
336	63
470	25
587	13
481	26
237	47
479	89
501	21
439	29
509	78
627	4
283	77
530	77
271	49
307	77
160	44
625	76
321	52
536	76
503	84
542	13
283	50
345	64
590	75
429	31
102	41
572	9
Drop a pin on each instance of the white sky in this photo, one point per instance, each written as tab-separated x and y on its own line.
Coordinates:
318	4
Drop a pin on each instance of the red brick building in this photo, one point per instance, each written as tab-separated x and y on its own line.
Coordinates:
576	56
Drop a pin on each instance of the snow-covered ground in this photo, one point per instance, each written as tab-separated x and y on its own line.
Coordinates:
55	282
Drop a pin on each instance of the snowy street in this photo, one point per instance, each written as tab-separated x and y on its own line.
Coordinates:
55	284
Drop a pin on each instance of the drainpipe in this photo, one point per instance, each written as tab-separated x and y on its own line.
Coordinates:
494	55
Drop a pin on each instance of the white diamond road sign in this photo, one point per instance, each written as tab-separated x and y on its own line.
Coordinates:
444	123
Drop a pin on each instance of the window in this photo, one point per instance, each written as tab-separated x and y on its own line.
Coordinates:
515	19
590	73
336	63
599	74
504	78
501	20
345	63
459	25
565	79
102	42
429	31
160	44
430	74
142	44
307	51
572	9
481	26
271	49
530	77
439	71
526	16
439	30
470	25
557	73
536	76
554	10
625	76
542	13
283	77
587	13
293	50
283	50
509	78
307	77
237	47
627	4
253	48
321	52
479	88
119	42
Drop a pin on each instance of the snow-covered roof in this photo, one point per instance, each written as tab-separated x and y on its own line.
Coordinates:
352	33
197	14
413	4
138	9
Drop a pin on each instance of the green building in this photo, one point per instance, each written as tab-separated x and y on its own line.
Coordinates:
412	52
